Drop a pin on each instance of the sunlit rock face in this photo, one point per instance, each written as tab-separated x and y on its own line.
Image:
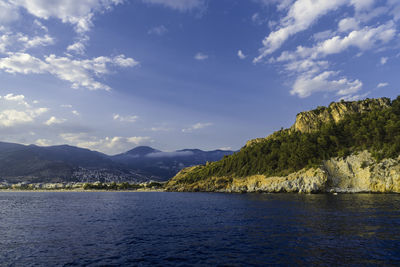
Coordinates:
310	121
355	173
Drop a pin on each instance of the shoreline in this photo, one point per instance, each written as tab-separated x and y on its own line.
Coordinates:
80	190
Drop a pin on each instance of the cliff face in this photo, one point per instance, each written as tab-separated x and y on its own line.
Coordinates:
309	121
355	173
273	155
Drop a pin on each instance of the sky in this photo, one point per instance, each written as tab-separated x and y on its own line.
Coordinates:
110	75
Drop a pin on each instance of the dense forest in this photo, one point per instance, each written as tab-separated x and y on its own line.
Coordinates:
377	131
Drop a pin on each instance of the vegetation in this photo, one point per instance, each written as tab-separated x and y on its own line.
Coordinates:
85	186
377	131
121	186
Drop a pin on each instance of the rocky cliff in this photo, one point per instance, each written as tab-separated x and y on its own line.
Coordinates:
357	151
355	173
309	121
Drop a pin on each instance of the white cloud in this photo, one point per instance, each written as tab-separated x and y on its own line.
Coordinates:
322	35
16	111
200	56
361	5
312	71
20	99
120	118
12	117
241	55
75	112
305	85
181	5
226	148
197	126
40	25
159	30
348	24
21	42
54	120
43	142
66	106
80	15
77	47
380	85
110	145
383	60
355	97
36	41
301	15
8	12
364	39
79	72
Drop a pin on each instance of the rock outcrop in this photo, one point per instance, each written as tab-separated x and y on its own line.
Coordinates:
310	121
355	173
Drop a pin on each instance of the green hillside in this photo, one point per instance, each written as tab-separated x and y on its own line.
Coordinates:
375	128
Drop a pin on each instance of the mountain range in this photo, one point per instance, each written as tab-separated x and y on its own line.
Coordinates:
64	163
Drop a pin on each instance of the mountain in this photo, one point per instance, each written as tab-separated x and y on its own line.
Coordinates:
166	164
21	163
348	146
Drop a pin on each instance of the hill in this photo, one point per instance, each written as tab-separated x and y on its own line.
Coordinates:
352	144
21	163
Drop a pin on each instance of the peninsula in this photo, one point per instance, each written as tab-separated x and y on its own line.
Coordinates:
346	147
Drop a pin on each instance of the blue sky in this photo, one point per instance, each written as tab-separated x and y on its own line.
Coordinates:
110	75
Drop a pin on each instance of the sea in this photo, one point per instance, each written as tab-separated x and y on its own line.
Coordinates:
198	229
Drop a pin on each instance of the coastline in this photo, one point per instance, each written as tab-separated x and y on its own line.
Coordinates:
80	190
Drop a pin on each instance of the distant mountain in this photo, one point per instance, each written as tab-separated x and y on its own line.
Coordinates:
166	164
21	163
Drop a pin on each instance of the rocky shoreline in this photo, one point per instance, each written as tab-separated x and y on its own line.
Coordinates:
357	173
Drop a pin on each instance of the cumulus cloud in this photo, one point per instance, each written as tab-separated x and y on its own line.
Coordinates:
80	15
304	13
363	39
301	15
241	55
80	73
54	120
181	5
20	99
12	117
43	142
348	24
383	60
16	111
120	118
109	145
78	47
380	85
200	56
10	41
305	85
311	66
197	126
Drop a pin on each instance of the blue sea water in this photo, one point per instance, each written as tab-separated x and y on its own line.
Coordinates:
148	229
